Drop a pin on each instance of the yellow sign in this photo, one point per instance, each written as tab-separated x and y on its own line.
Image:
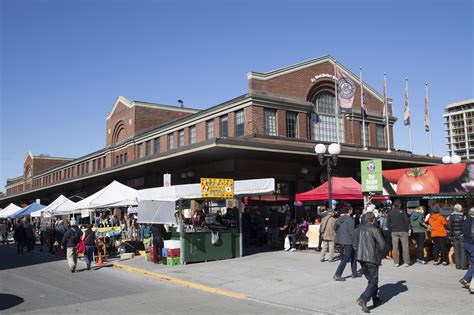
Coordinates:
217	188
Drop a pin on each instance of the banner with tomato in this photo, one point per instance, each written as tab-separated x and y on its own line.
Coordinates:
431	180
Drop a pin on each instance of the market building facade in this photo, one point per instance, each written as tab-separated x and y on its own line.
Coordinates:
270	131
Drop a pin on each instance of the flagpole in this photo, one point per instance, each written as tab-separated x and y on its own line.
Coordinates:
362	110
429	119
408	107
335	105
386	112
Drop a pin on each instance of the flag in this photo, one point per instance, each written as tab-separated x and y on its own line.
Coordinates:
427	110
345	91
363	108
406	110
385	105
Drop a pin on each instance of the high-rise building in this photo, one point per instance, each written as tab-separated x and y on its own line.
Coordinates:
459	121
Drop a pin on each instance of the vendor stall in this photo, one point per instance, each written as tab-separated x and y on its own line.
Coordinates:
204	235
9	210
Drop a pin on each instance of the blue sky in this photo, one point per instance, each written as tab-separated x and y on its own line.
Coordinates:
65	62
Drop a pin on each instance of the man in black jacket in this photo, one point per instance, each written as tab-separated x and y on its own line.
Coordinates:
368	247
468	244
455	221
70	240
344	236
399	224
159	235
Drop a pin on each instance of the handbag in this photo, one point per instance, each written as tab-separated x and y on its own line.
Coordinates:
80	247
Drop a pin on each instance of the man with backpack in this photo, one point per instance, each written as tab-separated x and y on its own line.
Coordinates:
70	240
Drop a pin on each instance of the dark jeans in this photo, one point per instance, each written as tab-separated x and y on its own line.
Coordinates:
88	254
19	247
387	236
347	254
440	245
157	247
420	245
371	273
459	253
469	248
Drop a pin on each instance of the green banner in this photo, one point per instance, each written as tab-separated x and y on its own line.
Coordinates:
371	172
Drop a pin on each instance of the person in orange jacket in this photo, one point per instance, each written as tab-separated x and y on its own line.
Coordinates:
440	237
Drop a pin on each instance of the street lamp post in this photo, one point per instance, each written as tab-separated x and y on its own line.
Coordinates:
334	150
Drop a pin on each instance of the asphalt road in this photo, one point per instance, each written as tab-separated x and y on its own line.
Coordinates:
38	283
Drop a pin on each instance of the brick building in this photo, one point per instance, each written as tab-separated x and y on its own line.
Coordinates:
268	132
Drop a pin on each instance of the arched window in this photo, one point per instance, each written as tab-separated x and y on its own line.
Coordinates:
323	119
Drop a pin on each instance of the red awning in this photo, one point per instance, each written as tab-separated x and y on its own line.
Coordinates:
343	188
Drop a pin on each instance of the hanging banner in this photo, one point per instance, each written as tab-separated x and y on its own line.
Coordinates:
371	173
217	188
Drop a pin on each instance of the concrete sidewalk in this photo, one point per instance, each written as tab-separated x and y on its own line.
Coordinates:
299	281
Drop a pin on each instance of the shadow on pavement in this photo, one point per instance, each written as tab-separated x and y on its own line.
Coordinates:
26	259
9	300
390	290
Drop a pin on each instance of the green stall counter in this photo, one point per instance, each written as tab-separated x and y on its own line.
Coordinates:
198	246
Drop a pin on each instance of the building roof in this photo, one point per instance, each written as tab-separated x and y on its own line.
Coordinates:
460	103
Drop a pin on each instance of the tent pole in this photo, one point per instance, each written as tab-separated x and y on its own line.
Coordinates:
181	229
240	226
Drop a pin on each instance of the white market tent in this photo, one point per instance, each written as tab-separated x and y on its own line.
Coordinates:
61	206
113	195
9	210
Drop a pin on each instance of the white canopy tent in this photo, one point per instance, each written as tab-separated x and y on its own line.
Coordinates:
61	206
9	210
113	195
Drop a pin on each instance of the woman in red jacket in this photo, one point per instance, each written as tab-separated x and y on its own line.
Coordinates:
439	235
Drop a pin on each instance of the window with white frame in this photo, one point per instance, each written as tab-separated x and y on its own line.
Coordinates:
323	119
224	126
269	117
181	138
210	129
192	134
380	130
170	141
239	123
291	124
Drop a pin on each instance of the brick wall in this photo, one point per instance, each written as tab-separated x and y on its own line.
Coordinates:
122	116
201	131
281	122
231	124
303	125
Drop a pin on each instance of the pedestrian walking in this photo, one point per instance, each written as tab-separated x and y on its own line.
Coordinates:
328	233
89	246
439	236
455	222
468	245
399	225
344	236
20	237
419	228
70	240
368	248
159	234
30	235
387	235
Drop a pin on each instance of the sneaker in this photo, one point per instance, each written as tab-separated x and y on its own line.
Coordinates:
88	267
445	263
337	278
407	265
363	305
331	260
378	301
356	275
397	265
323	260
293	249
464	283
420	261
437	263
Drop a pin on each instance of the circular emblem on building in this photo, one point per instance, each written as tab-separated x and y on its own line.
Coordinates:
371	166
346	87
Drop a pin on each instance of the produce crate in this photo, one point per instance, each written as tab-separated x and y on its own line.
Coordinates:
173	261
173	253
163	252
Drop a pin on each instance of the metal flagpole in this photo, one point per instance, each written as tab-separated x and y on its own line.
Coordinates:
428	119
386	111
336	108
362	110
408	108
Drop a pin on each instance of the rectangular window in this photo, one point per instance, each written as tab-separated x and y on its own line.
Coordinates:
87	167
224	126
125	157
239	123
68	172
116	160
291	125
82	168
192	134
380	136
99	163
210	129
78	170
270	122
181	138
156	147
94	165
104	159
121	159
170	142
148	148
139	150
367	143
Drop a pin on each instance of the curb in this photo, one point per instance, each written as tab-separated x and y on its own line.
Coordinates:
178	281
